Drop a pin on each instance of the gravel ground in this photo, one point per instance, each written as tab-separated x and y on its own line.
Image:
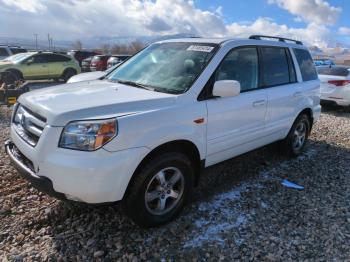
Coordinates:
240	211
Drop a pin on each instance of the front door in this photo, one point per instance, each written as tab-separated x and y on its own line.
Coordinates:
36	67
236	124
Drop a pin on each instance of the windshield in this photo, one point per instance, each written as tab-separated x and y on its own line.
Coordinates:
18	57
165	67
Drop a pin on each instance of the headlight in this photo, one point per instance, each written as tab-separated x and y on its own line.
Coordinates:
88	135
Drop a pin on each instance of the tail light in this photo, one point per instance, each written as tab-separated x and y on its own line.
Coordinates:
339	82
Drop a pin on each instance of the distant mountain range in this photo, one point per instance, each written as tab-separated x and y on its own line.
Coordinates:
88	43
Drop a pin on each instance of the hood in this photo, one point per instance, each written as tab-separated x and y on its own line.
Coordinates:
92	100
86	76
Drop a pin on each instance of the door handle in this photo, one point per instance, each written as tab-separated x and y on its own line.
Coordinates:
297	94
259	103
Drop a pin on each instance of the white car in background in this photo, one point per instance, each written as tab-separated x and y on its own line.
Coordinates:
335	84
90	76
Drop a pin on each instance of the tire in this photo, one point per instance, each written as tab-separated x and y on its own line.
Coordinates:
149	213
8	77
296	139
17	74
68	73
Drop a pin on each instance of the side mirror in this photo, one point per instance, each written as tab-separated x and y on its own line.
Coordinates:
226	88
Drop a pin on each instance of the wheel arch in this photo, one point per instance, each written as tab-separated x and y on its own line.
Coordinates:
183	146
15	71
69	69
309	113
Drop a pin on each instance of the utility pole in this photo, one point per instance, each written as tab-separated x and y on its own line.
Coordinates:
48	39
36	41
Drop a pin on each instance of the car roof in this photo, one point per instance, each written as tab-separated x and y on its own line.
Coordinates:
230	39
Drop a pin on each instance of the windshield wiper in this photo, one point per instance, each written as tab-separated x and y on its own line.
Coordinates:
138	85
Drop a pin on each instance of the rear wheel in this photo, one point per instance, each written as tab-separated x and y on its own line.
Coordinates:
294	143
160	190
68	73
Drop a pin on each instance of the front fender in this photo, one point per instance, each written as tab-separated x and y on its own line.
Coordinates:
154	128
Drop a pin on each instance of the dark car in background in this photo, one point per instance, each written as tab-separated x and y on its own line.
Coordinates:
116	59
99	62
85	64
80	55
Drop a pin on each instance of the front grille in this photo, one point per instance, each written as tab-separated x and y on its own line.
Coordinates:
28	125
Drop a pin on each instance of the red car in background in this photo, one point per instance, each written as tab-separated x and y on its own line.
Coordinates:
80	55
99	62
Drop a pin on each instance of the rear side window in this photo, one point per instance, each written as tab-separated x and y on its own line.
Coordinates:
307	66
57	58
275	66
334	71
240	65
3	52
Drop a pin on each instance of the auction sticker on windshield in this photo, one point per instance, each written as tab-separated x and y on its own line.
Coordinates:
200	48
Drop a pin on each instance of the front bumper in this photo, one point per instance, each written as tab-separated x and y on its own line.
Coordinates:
92	177
41	183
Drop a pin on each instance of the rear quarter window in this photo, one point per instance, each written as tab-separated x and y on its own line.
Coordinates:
306	65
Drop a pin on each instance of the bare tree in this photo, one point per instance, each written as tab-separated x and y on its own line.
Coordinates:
77	45
105	49
135	46
130	49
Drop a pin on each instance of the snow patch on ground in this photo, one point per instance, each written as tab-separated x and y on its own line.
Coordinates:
223	212
218	216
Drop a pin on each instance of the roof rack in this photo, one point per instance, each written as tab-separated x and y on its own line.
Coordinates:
281	39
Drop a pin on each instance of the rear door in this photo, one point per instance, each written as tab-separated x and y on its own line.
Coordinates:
57	64
235	124
283	91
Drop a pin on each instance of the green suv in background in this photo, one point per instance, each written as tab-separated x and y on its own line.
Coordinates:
41	65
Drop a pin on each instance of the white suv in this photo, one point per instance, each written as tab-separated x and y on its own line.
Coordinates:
143	134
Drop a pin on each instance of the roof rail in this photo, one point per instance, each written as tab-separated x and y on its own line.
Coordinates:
281	39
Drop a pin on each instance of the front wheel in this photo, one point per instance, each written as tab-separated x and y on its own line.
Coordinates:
295	142
159	191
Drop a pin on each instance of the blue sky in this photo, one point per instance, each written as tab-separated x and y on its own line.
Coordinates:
323	23
249	11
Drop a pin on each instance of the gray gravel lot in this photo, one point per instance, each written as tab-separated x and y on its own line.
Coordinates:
240	211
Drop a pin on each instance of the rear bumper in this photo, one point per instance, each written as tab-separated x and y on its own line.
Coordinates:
41	183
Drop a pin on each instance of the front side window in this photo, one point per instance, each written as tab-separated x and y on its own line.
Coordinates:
38	59
307	66
275	66
165	67
240	65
